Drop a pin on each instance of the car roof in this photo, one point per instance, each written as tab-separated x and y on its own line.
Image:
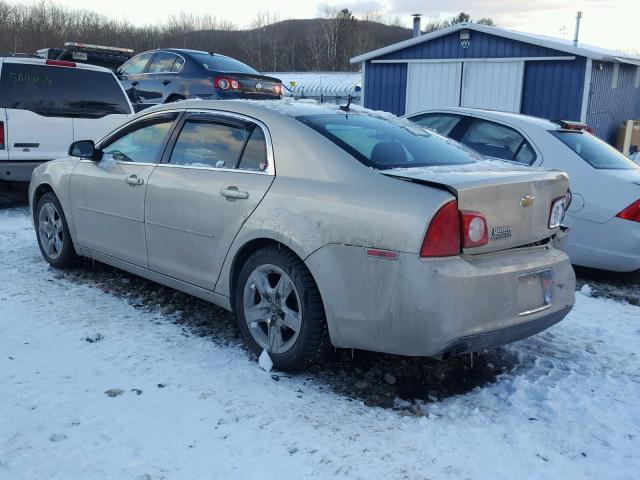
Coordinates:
286	107
42	61
507	117
187	51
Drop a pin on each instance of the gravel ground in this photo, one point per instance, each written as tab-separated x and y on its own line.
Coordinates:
619	286
13	194
376	379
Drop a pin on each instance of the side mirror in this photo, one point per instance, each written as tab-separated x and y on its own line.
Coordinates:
83	149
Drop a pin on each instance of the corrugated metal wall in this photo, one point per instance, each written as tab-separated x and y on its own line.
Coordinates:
609	107
433	85
551	89
386	87
496	85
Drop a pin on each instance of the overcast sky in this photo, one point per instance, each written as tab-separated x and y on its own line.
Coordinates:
606	23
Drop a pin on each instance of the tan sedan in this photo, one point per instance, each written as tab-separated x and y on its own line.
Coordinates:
317	226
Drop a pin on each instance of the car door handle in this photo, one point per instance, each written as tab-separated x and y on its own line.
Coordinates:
232	193
134	180
134	83
166	82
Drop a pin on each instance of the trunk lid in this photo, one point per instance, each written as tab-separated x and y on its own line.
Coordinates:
516	203
256	86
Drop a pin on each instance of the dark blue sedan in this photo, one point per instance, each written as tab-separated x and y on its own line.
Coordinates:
169	75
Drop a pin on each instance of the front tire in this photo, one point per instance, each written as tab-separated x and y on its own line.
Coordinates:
52	231
279	309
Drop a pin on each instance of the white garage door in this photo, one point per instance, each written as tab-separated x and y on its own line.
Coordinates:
492	85
433	85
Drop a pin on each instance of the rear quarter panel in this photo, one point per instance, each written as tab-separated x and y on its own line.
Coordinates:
321	195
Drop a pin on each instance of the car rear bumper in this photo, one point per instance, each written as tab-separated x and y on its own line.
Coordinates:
503	336
17	171
428	307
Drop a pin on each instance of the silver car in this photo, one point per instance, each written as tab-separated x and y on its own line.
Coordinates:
604	216
316	226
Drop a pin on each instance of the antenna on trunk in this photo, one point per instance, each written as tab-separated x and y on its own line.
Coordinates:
345	108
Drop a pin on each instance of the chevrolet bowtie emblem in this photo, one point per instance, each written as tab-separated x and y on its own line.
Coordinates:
527	200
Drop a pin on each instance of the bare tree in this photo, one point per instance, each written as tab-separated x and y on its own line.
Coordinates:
270	43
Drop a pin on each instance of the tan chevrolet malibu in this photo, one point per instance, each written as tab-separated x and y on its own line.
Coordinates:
317	226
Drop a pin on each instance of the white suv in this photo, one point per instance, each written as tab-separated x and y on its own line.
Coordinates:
45	105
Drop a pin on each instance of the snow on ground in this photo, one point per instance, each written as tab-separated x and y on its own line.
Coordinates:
182	407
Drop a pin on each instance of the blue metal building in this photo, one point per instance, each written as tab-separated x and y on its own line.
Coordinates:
478	66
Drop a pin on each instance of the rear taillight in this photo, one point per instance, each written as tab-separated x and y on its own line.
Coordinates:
443	235
278	89
632	212
224	83
451	229
474	229
1	135
60	63
558	208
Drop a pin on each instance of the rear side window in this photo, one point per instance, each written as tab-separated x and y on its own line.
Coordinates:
177	65
384	144
498	141
136	65
204	143
442	123
594	151
220	63
61	91
162	63
254	156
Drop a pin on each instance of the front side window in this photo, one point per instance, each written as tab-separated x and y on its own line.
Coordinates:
594	151
442	123
141	142
497	141
207	143
384	144
162	63
136	65
61	91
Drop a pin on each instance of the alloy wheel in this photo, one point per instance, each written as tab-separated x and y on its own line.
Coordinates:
50	230
272	309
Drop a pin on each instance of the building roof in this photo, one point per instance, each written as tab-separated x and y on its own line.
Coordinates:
314	84
583	50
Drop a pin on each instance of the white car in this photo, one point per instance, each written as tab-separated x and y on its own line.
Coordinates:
604	216
45	105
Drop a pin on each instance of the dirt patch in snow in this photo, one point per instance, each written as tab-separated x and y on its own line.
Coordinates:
13	194
387	381
615	285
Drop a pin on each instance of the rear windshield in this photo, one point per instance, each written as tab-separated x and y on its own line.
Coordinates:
594	151
61	91
384	144
218	63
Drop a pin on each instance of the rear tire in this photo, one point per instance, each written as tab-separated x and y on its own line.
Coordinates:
279	309
52	231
